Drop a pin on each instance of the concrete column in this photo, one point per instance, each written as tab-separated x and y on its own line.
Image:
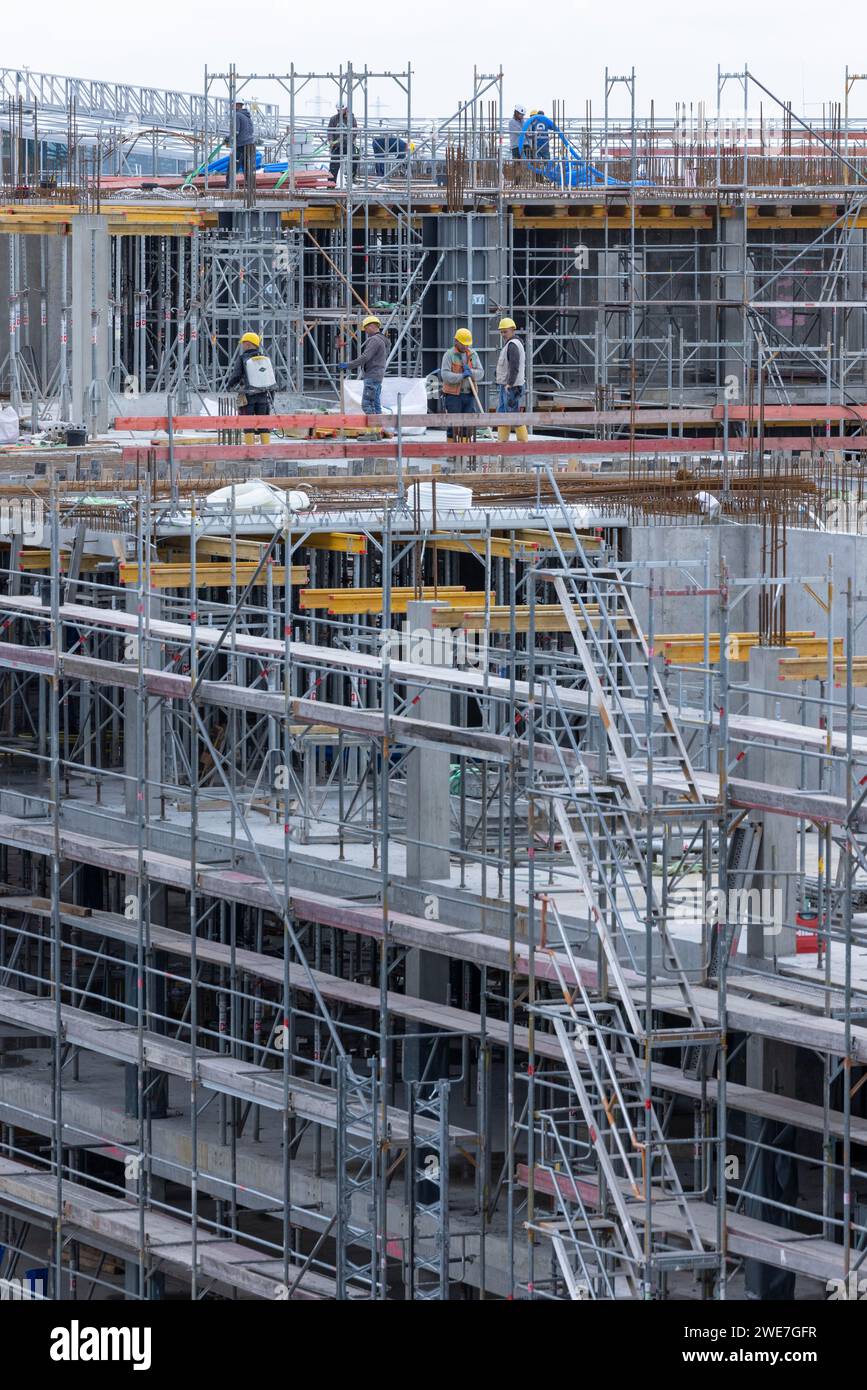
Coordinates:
156	1084
772	1067
143	721
427	772
427	818
732	287
156	1288
778	853
137	720
88	336
853	283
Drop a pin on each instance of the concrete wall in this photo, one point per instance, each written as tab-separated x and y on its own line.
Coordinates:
690	552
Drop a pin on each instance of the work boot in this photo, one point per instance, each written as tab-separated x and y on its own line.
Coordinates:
523	433
503	433
265	437
249	437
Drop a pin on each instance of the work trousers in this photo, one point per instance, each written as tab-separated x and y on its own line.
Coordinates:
259	404
371	398
338	158
246	160
511	400
464	404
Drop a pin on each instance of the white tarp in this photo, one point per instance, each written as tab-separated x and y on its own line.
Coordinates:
9	426
411	389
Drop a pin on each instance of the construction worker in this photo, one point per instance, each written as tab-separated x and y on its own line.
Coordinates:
245	141
511	377
371	360
255	375
460	372
516	125
536	143
342	143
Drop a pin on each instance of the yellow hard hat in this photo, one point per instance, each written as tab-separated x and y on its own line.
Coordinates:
464	337
506	323
371	318
252	338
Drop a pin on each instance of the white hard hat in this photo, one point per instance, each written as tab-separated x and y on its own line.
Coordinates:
520	110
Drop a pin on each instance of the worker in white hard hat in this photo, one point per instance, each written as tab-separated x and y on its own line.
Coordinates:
511	376
343	144
516	125
371	360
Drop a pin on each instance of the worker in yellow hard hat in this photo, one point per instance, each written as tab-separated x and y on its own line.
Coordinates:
254	375
460	371
371	360
511	377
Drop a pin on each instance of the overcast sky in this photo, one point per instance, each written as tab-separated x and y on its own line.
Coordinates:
549	51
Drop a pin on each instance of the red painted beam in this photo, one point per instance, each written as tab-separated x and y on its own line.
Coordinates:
306	420
795	414
546	1182
564	419
441	449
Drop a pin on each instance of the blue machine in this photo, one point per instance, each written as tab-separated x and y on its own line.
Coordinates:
571	169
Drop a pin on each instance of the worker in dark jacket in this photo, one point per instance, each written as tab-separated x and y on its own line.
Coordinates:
342	143
245	141
254	374
371	360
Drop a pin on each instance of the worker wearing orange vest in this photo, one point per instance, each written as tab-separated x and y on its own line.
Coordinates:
461	368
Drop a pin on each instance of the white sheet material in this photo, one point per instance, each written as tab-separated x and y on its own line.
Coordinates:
9	426
411	389
255	495
248	507
449	497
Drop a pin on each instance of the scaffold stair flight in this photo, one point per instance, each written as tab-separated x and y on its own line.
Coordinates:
633	1154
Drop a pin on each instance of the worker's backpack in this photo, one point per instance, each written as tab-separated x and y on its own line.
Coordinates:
259	372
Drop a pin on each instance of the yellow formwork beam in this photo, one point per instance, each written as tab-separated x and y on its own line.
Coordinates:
815	668
501	548
549	617
177	550
345	542
353	601
33	559
744	637
130	220
542	539
212	574
689	650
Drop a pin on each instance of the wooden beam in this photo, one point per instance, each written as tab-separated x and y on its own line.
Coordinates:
211	574
347	601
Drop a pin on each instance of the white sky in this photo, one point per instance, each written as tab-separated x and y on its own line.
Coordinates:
554	50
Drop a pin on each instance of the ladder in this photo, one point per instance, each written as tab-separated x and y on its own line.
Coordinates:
633	1155
625	686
